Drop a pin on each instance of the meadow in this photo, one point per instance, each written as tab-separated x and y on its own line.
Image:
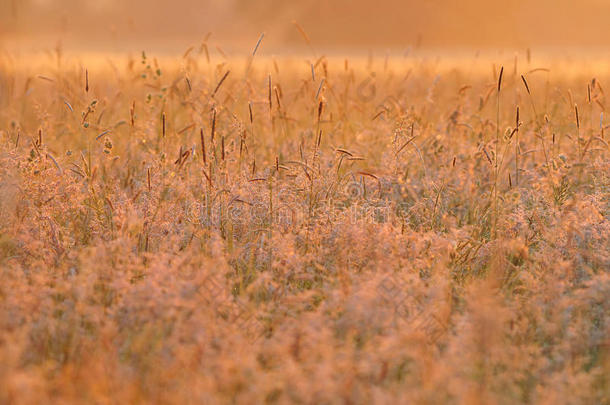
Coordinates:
303	229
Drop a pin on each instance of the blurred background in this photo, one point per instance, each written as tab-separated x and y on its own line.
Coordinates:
332	25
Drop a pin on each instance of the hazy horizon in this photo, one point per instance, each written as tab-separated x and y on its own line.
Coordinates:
341	25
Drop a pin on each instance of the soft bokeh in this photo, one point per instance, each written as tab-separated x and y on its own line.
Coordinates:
340	24
334	220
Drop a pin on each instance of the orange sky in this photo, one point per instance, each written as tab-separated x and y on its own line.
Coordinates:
125	25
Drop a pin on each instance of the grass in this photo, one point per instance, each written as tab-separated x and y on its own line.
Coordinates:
302	231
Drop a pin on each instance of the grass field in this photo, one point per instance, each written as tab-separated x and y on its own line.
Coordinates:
303	230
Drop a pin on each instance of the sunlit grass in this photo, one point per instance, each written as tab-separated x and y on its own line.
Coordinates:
303	230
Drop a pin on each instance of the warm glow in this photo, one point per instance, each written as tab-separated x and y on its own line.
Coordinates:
304	202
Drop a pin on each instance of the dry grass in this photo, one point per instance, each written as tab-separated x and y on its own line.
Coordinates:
302	231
